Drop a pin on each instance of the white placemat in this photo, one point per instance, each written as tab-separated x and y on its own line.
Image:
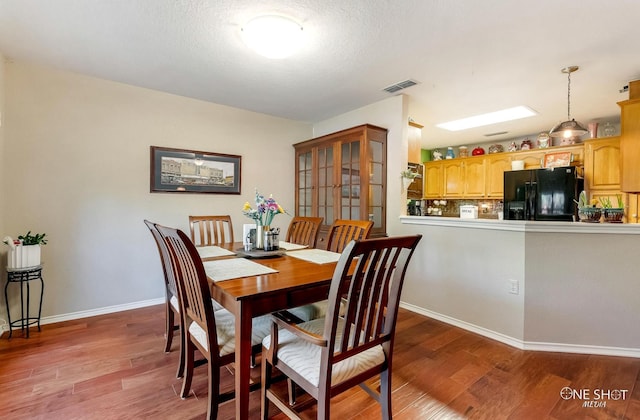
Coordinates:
233	268
213	251
288	246
318	256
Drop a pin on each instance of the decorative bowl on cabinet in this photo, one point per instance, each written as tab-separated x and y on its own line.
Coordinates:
590	214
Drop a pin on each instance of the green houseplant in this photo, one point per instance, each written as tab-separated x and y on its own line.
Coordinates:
612	214
588	212
25	251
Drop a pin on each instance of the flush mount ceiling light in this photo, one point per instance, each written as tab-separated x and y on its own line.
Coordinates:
569	128
509	114
272	36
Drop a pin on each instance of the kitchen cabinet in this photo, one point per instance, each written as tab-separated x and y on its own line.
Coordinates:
453	179
343	176
464	177
631	210
483	176
433	184
630	145
415	143
496	165
602	164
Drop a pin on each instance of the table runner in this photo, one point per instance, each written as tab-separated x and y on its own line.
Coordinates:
232	268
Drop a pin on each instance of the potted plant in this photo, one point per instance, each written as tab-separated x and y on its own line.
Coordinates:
612	214
588	213
25	251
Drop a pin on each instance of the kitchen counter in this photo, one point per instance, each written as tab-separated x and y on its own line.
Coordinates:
524	225
550	286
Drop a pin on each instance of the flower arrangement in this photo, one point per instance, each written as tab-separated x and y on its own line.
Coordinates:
409	174
265	210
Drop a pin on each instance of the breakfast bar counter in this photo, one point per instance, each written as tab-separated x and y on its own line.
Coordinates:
554	286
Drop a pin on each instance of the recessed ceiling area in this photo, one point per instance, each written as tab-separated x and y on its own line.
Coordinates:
470	57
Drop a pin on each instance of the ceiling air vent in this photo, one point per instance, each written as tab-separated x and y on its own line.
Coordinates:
496	134
400	85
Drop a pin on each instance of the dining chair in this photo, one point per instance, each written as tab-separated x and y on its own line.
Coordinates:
342	231
330	355
340	234
211	230
304	230
210	332
172	305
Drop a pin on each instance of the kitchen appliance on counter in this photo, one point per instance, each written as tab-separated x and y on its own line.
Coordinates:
414	208
542	194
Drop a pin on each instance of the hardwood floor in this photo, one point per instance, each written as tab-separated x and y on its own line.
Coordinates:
113	367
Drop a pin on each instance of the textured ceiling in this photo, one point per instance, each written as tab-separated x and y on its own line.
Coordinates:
469	56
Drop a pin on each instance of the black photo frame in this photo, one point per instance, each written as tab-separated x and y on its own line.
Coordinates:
192	171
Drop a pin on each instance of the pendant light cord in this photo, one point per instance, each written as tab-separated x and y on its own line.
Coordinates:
569	96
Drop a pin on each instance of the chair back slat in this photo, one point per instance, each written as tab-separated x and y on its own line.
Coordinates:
192	282
169	279
304	230
367	284
342	232
211	230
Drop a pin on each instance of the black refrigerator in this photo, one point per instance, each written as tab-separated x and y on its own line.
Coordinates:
542	194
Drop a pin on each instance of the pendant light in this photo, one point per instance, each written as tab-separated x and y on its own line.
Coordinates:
570	128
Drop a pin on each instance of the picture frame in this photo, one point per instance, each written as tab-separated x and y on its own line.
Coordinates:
554	160
193	171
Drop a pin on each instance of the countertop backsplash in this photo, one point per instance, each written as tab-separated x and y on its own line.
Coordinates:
487	209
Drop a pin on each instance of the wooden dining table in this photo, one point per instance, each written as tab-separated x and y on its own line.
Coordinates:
297	282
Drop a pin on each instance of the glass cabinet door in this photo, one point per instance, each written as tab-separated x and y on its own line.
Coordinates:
350	180
305	184
326	184
376	183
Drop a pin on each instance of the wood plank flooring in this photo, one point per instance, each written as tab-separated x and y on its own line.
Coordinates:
113	367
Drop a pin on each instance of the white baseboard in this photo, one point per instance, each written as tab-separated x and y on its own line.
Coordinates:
525	345
92	312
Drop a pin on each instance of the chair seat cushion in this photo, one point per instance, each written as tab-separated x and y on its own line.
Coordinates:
309	312
314	310
173	301
226	329
304	357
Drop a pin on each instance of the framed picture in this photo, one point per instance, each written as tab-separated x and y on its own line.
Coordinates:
192	171
554	160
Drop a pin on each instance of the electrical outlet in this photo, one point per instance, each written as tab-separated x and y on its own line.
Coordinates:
514	287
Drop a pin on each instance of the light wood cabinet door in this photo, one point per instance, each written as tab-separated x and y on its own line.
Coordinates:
602	164
496	165
474	177
415	140
632	207
630	146
532	160
453	177
433	179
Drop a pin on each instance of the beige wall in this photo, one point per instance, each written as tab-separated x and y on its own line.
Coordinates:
76	166
3	198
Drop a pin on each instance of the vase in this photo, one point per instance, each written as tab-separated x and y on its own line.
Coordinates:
260	231
590	214
613	215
